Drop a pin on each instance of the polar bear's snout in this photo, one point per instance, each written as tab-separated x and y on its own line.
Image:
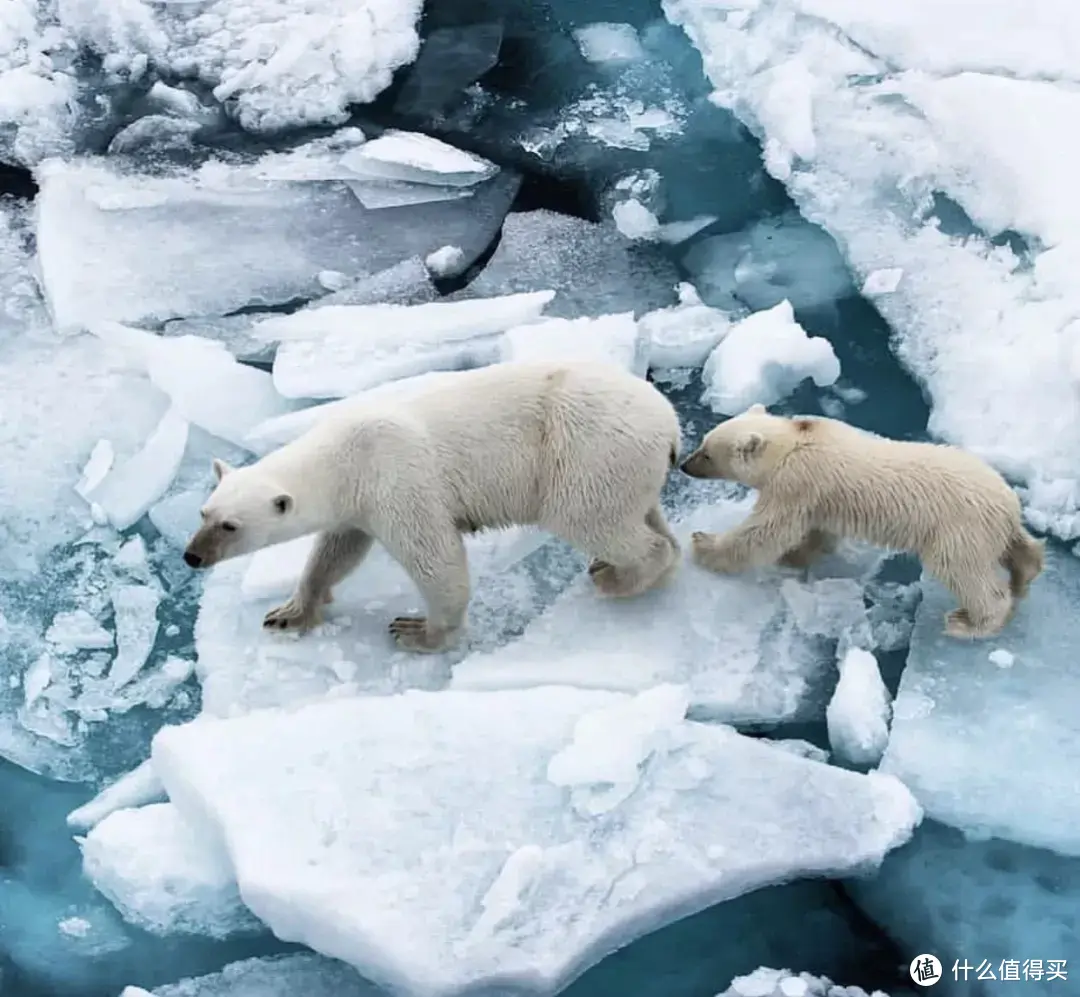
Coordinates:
204	549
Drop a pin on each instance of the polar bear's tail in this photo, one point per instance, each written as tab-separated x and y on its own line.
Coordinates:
1024	559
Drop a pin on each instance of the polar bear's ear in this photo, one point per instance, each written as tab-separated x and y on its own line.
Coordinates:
221	468
282	503
750	445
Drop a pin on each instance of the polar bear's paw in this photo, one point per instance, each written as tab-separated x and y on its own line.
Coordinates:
414	634
294	615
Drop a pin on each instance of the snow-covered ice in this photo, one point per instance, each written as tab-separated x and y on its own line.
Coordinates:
763	359
614	339
956	711
299	975
286	225
340	350
858	713
767	982
914	107
163	874
272	64
684	335
736	642
477	874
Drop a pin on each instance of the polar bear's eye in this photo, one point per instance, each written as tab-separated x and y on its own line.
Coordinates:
229	527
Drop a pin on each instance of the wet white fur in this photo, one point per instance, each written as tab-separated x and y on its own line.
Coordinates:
581	450
820	479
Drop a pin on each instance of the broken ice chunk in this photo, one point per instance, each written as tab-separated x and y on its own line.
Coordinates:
340	350
592	267
128	490
614	339
301	974
205	383
502	883
136	630
136	788
778	259
732	640
377	194
882	281
763	359
77	630
766	982
635	221
955	709
444	261
858	713
98	464
405	283
419	159
607	42
685	334
163	875
282	235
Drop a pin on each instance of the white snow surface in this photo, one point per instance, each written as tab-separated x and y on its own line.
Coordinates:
763	359
275	64
867	112
387	833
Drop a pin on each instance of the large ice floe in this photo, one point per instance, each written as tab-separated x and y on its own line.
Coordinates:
600	817
934	159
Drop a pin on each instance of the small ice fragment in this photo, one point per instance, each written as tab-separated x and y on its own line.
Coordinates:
136	630
418	159
444	261
608	42
1002	658
77	630
333	280
75	927
672	233
882	281
794	987
36	678
858	714
136	788
635	221
763	359
97	466
760	983
129	490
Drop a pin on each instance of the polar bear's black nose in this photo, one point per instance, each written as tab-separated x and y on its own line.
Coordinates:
192	560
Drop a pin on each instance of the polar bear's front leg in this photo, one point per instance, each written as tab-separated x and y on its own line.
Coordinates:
760	541
435	560
334	556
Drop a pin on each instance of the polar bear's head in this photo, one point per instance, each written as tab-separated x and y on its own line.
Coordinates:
244	513
746	448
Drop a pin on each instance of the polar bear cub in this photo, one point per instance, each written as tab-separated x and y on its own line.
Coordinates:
820	479
581	450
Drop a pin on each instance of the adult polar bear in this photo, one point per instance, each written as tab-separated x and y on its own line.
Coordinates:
580	450
819	479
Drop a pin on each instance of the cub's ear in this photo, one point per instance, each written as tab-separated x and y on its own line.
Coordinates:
750	445
283	503
221	468
756	409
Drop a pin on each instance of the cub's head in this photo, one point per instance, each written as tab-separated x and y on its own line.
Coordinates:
746	448
245	513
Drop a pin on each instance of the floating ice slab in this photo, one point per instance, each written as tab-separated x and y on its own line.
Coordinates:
955	708
766	982
685	334
206	385
324	56
419	159
888	143
242	667
162	237
301	975
614	339
340	350
163	874
734	641
777	259
133	789
763	359
592	267
529	868
997	907
607	42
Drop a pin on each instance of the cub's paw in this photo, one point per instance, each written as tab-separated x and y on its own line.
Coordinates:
958	624
707	552
293	615
413	634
